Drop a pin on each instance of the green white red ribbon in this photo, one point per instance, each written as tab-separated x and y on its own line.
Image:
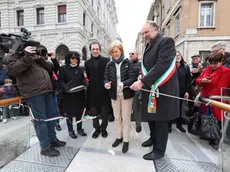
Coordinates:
160	81
83	117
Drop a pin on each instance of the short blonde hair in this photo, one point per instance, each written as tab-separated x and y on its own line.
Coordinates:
117	44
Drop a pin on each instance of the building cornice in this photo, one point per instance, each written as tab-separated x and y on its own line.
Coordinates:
197	39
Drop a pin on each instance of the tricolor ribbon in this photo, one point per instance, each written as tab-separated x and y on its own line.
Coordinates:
160	81
83	117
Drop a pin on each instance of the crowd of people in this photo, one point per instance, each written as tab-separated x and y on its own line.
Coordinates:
112	88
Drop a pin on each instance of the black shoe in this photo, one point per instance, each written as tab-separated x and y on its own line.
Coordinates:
153	156
58	143
104	133
72	134
147	143
96	134
138	129
58	127
181	128
117	142
81	132
125	147
50	151
215	146
213	142
111	119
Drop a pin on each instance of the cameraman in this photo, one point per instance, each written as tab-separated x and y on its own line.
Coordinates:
33	81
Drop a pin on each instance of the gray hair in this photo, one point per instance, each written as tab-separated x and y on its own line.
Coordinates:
220	44
152	23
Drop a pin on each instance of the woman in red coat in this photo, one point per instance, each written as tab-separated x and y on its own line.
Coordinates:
212	79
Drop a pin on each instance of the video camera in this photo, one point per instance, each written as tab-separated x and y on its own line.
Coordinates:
18	43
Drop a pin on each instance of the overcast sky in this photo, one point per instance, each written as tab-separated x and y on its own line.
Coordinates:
131	16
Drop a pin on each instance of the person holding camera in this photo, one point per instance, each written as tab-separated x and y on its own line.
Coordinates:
32	73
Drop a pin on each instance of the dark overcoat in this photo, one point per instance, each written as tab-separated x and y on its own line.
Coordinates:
158	56
96	92
70	77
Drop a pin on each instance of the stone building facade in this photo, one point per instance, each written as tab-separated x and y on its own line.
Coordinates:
62	25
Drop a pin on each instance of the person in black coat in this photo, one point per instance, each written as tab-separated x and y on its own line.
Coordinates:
158	57
119	75
54	79
133	56
97	97
70	76
185	87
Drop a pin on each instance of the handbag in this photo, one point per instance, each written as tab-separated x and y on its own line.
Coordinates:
205	126
210	128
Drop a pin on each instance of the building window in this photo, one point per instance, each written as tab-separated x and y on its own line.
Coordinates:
20	17
167	30
92	2
177	24
163	13
168	4
62	14
203	55
98	10
98	33
40	16
61	52
92	27
84	15
206	16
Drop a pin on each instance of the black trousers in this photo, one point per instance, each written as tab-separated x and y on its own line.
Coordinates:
179	120
159	135
69	122
103	112
137	110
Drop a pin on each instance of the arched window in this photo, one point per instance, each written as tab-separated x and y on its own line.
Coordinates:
61	52
84	54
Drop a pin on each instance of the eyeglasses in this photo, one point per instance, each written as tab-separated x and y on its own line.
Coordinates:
73	58
131	54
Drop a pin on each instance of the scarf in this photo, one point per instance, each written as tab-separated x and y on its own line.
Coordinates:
122	57
73	65
160	81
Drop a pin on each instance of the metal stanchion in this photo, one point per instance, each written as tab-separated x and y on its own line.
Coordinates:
29	133
226	120
224	129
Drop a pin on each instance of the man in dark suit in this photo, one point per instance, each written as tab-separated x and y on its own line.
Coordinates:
98	97
158	58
